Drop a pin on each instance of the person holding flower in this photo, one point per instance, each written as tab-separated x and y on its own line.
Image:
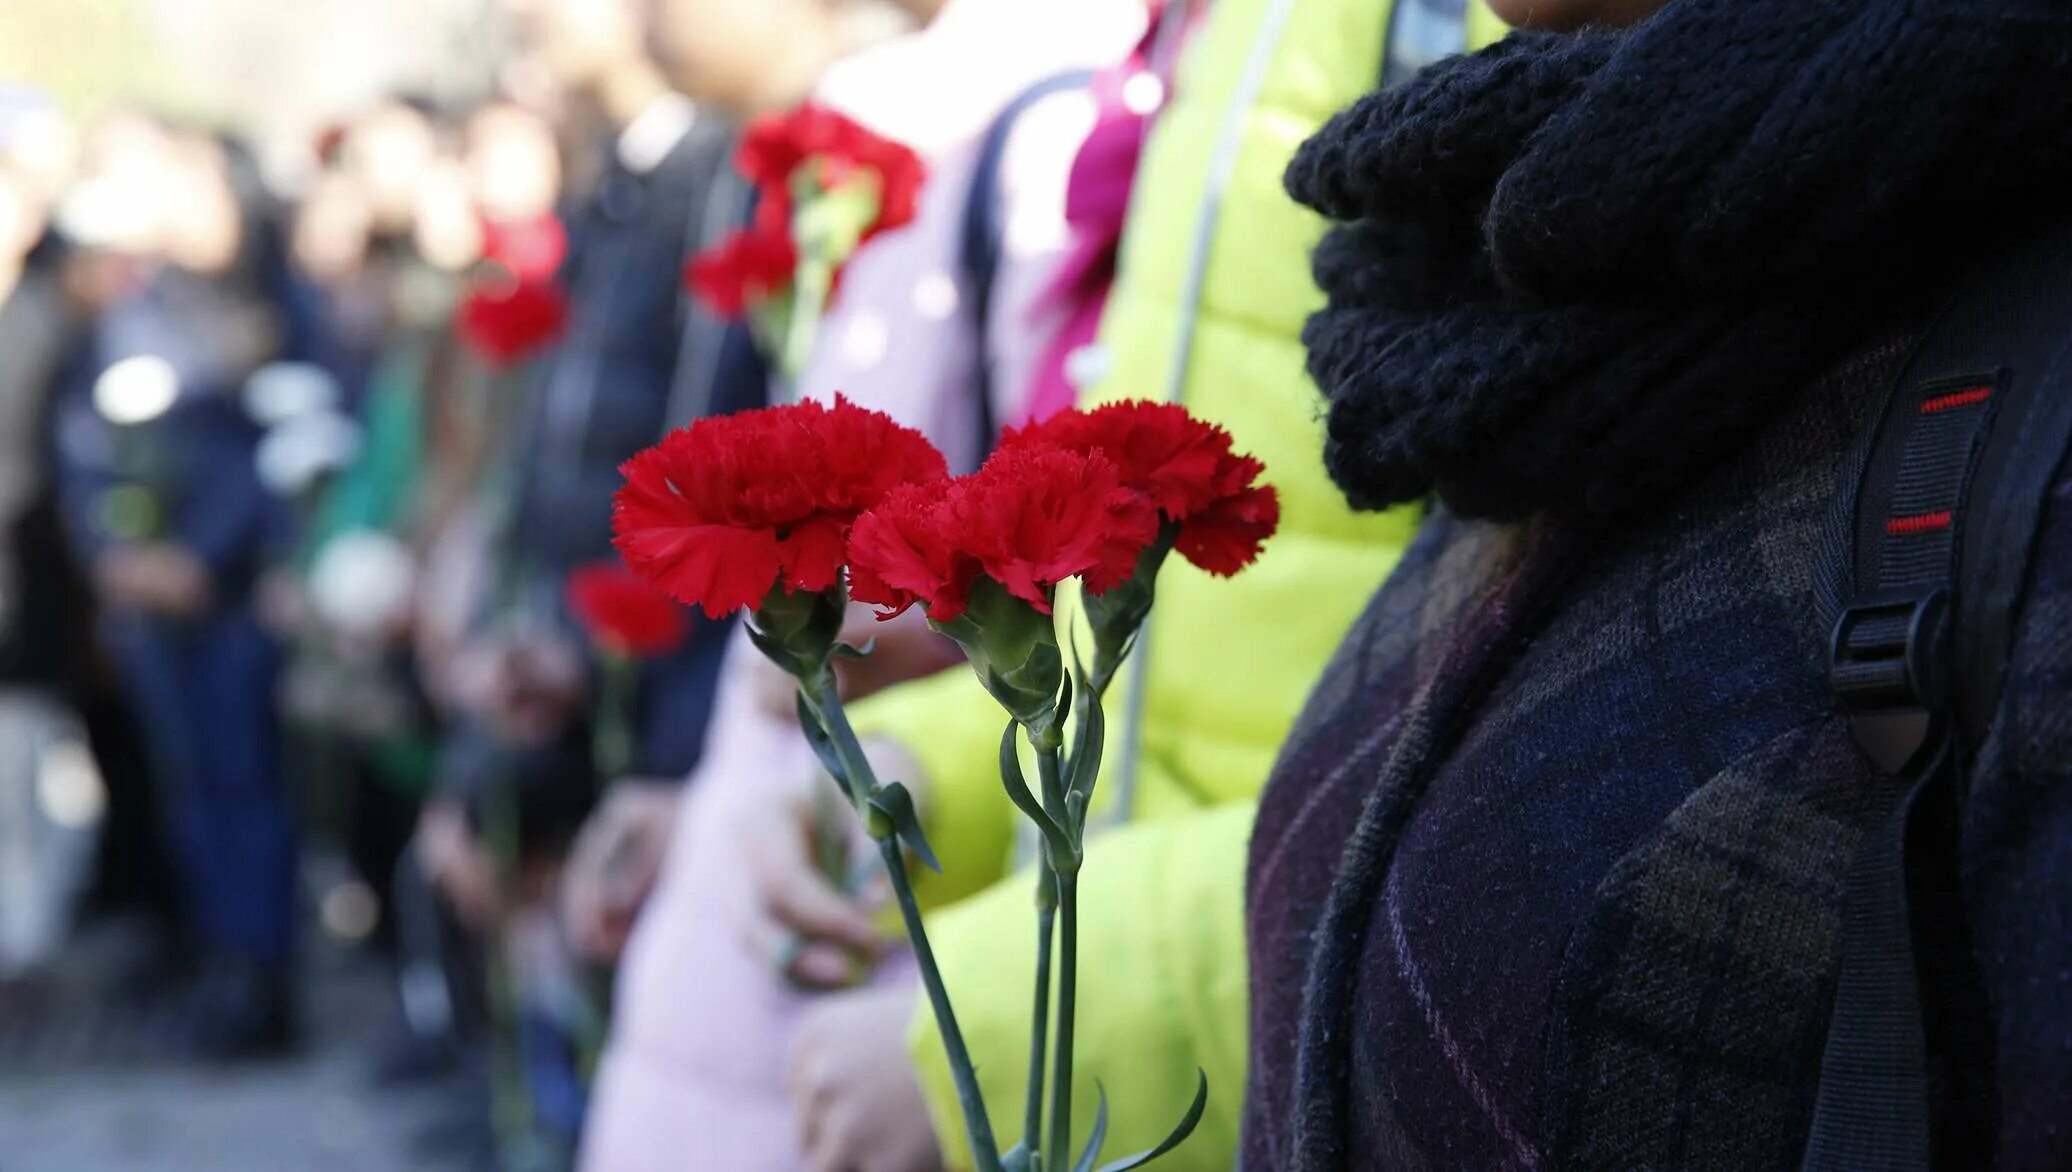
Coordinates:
1216	695
704	1020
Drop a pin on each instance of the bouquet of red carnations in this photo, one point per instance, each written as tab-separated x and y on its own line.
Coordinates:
792	511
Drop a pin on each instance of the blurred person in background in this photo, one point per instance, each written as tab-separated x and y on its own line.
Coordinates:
388	281
992	96
38	326
630	361
161	498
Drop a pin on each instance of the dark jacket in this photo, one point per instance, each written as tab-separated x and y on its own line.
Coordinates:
1601	926
195	462
632	363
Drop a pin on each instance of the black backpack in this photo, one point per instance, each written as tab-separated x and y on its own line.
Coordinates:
1924	572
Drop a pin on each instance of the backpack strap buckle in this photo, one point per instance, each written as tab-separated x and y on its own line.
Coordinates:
1888	664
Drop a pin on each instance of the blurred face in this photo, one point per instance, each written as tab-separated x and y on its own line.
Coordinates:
42	152
202	227
719	50
331	228
387	153
21	219
514	166
1572	14
577	42
447	233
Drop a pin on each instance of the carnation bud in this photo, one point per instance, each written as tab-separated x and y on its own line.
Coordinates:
1014	649
798	630
1117	615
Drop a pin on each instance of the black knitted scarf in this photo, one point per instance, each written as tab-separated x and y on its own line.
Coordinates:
1576	268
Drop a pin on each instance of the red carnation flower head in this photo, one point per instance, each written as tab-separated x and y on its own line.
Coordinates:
1036	515
1185	467
623	613
1033	517
731	508
900	554
746	269
530	249
505	321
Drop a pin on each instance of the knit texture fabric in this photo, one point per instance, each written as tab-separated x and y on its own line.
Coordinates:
1577	268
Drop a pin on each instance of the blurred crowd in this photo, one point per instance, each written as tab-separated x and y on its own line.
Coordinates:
296	481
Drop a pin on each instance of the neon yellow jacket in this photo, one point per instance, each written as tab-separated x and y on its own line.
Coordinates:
1227	662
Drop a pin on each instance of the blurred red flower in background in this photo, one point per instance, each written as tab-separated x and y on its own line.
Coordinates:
722	511
623	613
792	157
530	249
746	269
504	321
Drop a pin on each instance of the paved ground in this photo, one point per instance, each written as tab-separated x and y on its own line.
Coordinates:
316	1113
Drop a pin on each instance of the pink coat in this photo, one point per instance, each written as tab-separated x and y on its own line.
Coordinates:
694	1076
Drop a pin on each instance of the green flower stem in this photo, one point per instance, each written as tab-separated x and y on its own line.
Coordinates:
1039	1030
811	284
826	702
1058	1152
611	738
984	1151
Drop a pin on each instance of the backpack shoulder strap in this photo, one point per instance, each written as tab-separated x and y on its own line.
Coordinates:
1924	571
982	238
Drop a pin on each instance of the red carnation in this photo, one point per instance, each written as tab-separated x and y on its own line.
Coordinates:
746	269
722	511
759	262
775	146
900	553
1033	517
530	249
1187	469
623	613
504	321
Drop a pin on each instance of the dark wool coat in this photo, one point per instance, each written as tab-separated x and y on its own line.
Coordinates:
1606	935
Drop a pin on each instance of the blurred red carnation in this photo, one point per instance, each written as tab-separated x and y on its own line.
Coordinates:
623	613
744	270
504	321
722	511
530	249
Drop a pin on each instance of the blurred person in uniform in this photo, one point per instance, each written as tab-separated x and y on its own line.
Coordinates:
162	500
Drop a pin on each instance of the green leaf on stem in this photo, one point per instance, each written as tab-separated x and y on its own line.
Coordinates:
823	748
1179	1134
1017	785
1083	769
1100	1134
896	806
